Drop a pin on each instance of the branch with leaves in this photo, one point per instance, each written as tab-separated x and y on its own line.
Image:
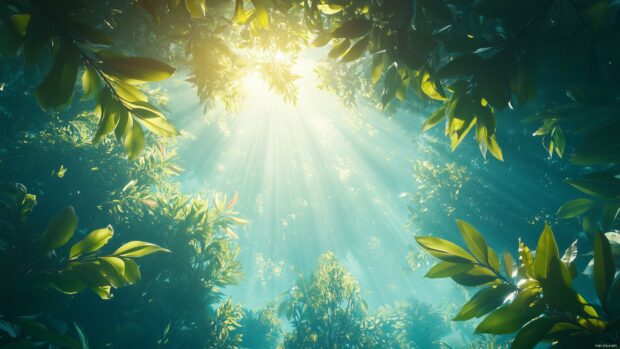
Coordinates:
535	300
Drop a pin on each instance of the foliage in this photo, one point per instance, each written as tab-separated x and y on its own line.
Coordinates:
412	324
33	269
325	310
179	303
534	298
260	329
41	31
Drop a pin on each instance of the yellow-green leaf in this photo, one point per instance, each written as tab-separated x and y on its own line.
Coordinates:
160	126
134	142
59	230
604	267
445	269
132	272
444	249
92	242
20	22
546	251
484	301
474	241
435	118
91	83
504	320
575	208
377	68
509	263
430	89
138	249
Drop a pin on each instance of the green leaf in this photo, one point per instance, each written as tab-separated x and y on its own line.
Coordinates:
136	68
91	83
356	50
475	277
134	142
138	249
322	39
447	269
114	270
474	241
109	109
92	242
532	333
435	118
20	22
504	320
509	263
526	266
546	251
39	331
431	88
59	230
352	29
494	148
484	301
377	68
159	126
132	272
56	90
604	267
494	260
391	83
444	249
575	208
339	48
128	93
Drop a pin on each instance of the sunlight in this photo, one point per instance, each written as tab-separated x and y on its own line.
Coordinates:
312	177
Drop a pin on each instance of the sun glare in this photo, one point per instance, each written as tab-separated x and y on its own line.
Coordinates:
313	166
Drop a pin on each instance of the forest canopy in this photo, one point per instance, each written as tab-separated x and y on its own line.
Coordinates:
82	80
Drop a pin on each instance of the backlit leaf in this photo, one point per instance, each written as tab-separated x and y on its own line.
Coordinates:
504	320
56	90
59	230
546	250
474	241
575	208
484	301
92	242
91	83
604	267
532	333
447	269
134	142
138	249
430	88
444	249
435	118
